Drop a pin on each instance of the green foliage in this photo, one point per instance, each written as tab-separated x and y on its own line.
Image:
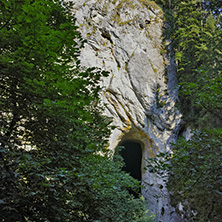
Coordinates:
194	168
197	36
52	132
206	96
194	172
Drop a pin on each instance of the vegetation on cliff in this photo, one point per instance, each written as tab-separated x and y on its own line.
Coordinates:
52	132
196	170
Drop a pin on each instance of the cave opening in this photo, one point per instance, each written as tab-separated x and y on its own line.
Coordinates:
132	157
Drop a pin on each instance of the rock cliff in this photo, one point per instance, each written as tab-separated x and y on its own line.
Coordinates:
125	37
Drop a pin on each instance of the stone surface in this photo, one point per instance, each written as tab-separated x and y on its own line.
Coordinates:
125	38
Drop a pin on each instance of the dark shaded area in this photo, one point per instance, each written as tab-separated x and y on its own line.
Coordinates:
132	156
107	36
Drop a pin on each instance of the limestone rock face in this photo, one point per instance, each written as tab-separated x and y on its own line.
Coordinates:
125	38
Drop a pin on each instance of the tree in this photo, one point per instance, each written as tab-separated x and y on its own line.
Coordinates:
193	176
196	36
52	132
194	168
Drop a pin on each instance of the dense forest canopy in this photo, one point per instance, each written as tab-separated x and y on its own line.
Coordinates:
195	168
52	132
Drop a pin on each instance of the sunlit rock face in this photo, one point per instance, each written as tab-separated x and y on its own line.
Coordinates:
125	38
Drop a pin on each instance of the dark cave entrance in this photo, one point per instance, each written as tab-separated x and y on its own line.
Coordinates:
132	156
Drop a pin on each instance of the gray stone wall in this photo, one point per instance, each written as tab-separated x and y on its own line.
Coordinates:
126	39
